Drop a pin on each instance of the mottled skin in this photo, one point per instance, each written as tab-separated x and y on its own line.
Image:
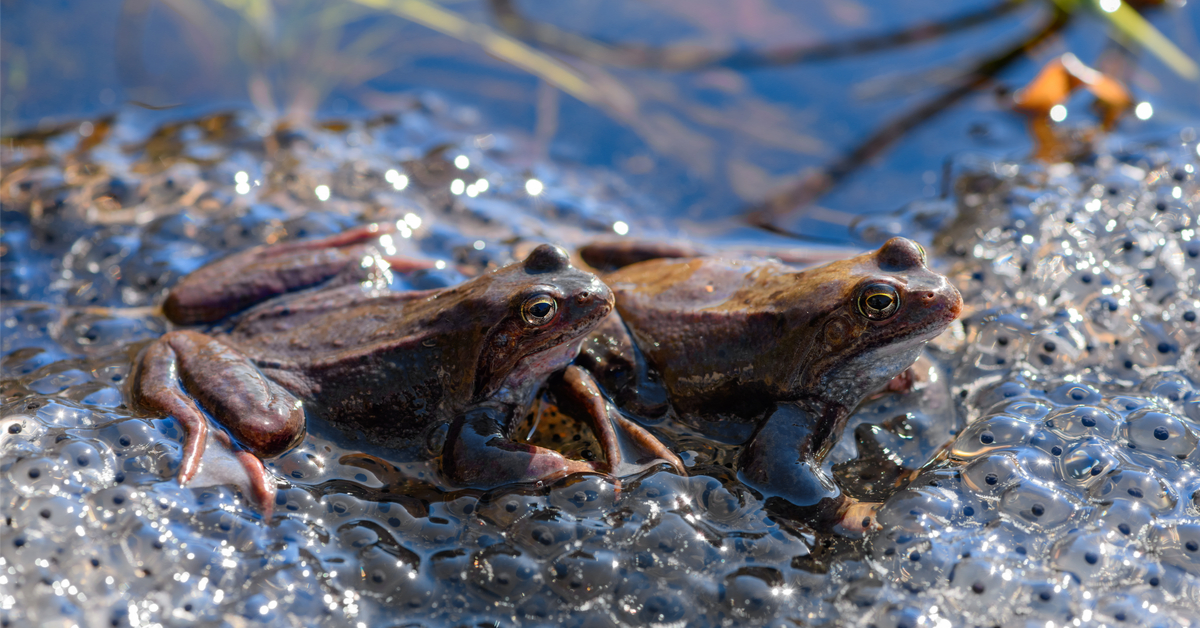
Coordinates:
757	347
394	366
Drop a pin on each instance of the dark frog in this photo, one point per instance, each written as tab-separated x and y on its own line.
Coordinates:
762	353
393	365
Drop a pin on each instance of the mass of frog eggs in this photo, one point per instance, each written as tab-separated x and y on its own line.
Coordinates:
1043	472
1072	494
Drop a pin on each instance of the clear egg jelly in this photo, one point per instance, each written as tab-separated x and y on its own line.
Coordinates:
1050	472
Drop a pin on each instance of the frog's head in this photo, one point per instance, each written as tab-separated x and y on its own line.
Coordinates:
882	307
543	307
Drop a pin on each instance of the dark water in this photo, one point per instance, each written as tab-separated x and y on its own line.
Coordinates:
702	143
1047	471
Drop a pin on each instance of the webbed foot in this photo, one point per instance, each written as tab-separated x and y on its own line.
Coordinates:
628	448
783	461
225	465
185	367
480	454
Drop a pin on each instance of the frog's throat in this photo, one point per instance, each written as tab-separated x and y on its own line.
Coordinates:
845	384
530	372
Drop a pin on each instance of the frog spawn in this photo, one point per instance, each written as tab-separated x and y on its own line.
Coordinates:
1053	519
1073	494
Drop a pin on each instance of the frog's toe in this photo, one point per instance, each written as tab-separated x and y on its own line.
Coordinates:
223	465
193	451
628	447
156	386
653	451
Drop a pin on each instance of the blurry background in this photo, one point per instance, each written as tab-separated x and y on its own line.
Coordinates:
711	108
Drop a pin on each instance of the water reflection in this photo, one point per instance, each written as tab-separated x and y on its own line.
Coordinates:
711	109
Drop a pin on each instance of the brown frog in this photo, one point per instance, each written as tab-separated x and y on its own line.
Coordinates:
395	366
762	353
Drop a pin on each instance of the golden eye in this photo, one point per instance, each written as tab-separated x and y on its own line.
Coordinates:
539	309
879	302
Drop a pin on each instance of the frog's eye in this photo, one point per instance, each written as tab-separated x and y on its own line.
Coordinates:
539	309
878	302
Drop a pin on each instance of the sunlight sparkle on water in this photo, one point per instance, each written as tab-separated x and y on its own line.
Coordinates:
462	162
1110	6
322	192
242	179
620	227
1144	110
1058	113
534	187
398	180
457	187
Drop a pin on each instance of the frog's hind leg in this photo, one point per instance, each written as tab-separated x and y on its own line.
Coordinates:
234	283
628	447
184	367
480	453
609	255
156	387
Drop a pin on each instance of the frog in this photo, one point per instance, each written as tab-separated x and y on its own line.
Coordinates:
305	328
760	353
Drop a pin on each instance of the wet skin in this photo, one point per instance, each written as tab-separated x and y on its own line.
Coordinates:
393	366
761	353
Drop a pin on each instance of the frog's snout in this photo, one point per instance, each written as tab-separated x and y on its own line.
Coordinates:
939	299
945	299
597	296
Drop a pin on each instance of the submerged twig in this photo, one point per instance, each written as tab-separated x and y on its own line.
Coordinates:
687	58
796	197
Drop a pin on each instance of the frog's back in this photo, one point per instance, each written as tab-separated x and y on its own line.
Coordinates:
392	366
716	328
727	331
397	363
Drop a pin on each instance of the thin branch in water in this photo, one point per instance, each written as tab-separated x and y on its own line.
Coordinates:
795	198
690	58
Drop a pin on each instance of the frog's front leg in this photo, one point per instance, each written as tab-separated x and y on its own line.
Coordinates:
236	282
613	360
627	446
783	461
186	367
480	453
